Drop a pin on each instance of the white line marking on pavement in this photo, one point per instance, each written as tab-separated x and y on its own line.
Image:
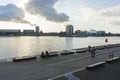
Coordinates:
67	61
76	59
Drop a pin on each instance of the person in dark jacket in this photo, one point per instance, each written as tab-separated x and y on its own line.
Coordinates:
47	54
92	51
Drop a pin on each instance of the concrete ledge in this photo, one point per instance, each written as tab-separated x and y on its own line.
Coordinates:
18	59
67	53
116	45
109	46
50	55
81	51
53	55
95	66
101	48
115	59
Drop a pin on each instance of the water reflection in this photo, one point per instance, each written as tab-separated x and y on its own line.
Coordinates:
69	43
23	46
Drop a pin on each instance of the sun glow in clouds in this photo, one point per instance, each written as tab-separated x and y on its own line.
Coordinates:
53	15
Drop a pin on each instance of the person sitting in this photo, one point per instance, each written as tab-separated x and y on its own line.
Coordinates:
47	54
42	55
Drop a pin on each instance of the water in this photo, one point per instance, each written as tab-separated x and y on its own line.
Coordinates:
23	46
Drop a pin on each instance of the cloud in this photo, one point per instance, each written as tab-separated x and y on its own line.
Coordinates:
113	20
12	13
106	16
86	13
113	11
47	9
112	15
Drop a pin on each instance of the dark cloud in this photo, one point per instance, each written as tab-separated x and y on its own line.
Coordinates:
46	9
12	13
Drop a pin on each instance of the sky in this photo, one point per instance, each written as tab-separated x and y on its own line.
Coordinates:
54	15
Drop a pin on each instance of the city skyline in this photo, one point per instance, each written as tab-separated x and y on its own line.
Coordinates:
54	15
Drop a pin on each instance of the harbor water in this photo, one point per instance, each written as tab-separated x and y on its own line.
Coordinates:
31	45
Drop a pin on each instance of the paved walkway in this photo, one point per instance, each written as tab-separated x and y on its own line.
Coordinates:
43	69
108	72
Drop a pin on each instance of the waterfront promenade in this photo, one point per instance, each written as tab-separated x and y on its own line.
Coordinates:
44	69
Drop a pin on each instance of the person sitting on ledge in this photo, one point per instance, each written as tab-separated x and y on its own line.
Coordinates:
42	55
47	54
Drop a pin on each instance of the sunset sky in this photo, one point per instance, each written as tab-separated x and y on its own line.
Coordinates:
54	15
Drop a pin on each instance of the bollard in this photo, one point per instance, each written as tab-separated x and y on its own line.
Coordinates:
111	55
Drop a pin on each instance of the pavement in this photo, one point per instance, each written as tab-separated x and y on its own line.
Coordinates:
51	68
109	72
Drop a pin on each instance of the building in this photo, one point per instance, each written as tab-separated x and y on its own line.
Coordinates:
101	33
7	32
93	32
79	33
28	32
37	30
97	33
69	30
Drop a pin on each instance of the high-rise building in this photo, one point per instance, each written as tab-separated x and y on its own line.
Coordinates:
37	30
69	30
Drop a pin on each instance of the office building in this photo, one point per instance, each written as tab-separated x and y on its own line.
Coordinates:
37	30
69	30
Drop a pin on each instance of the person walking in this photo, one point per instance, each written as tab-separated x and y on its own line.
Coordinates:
89	49
92	51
